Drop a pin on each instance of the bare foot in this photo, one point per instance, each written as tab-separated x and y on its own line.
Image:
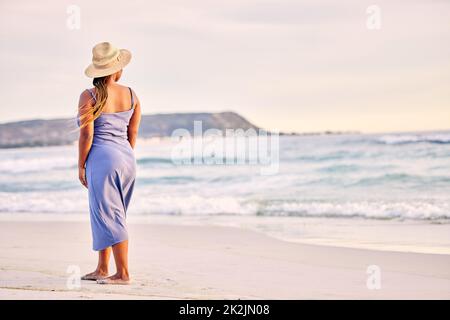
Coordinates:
115	279
96	275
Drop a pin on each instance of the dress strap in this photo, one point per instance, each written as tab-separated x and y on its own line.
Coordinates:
132	98
92	94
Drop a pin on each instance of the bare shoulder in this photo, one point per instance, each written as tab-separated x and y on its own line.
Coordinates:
134	94
85	98
127	88
124	87
121	87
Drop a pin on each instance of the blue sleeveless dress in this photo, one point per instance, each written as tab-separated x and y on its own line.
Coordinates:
110	175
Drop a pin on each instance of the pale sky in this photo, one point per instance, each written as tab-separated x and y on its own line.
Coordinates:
290	65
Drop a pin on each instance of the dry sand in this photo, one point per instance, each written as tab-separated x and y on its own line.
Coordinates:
208	262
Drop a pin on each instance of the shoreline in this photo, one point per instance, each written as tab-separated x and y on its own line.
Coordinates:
392	235
209	262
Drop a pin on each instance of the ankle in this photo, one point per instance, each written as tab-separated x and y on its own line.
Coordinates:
102	270
123	274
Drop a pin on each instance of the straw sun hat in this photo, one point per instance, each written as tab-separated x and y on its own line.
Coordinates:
106	60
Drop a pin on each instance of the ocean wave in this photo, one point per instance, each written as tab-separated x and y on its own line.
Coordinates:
30	186
397	139
339	168
416	210
171	180
143	204
153	160
60	202
331	156
38	164
197	205
389	178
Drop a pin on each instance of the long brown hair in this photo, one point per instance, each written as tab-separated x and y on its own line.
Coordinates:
87	113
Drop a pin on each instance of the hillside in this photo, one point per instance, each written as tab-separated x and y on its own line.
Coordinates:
62	131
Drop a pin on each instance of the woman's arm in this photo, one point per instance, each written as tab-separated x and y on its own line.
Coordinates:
85	138
133	126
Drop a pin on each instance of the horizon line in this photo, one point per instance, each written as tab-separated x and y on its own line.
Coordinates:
285	132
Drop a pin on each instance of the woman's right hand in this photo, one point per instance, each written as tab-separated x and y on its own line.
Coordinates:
82	176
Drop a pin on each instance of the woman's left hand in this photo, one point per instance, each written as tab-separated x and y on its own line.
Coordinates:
82	176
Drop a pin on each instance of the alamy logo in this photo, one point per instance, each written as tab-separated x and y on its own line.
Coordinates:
229	147
74	278
373	21
73	21
374	279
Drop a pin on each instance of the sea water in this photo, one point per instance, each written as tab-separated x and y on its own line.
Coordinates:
383	176
379	191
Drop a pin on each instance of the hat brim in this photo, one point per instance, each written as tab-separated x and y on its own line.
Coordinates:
94	72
